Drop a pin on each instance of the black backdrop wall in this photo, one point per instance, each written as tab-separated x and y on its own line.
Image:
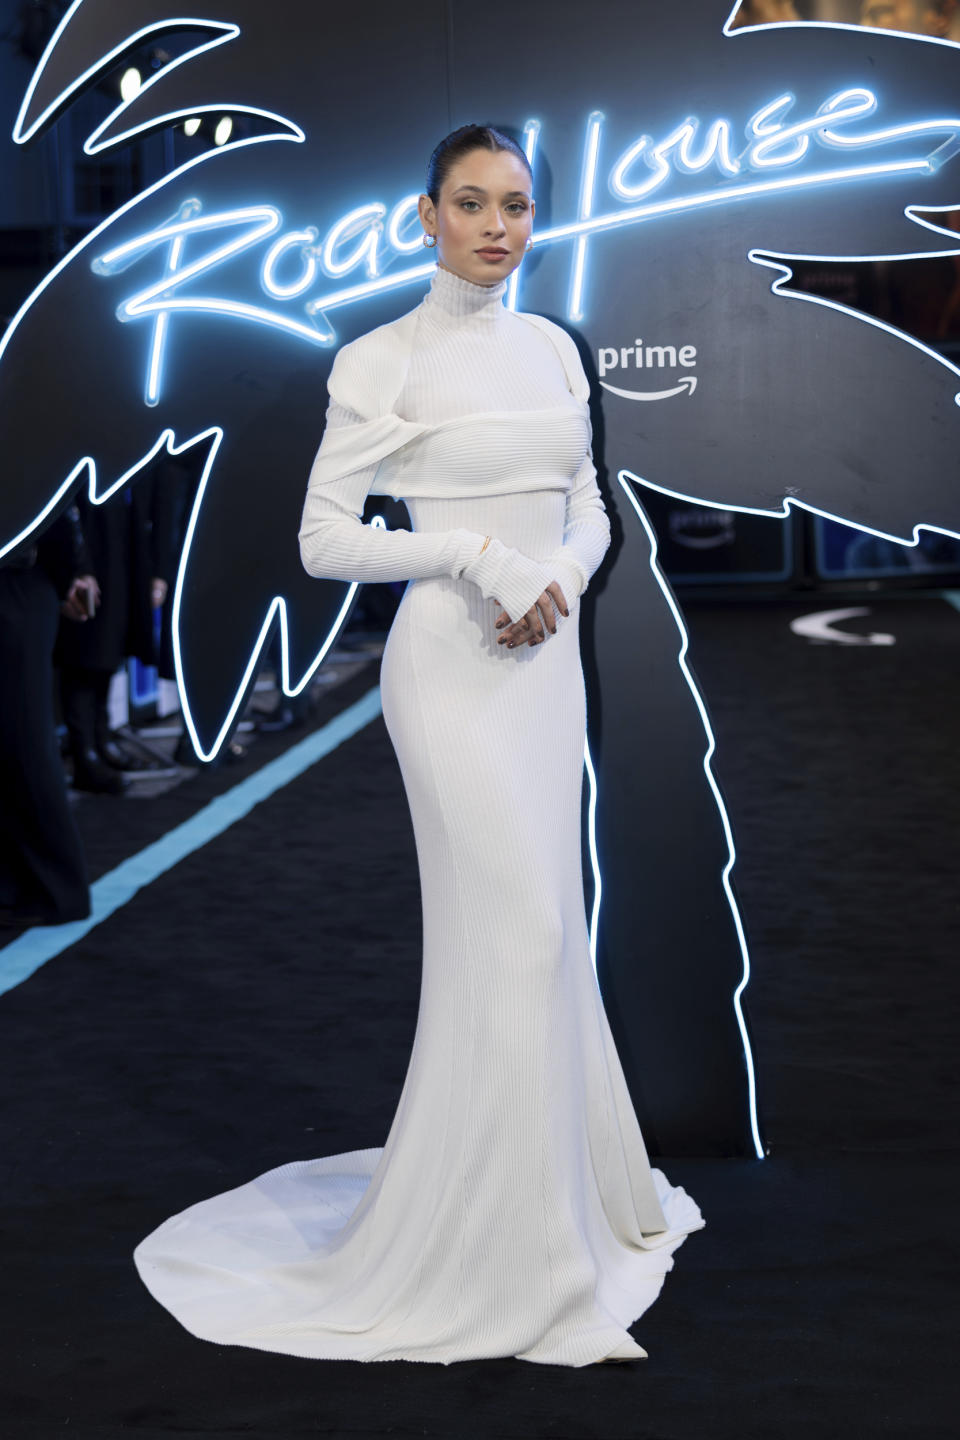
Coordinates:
686	164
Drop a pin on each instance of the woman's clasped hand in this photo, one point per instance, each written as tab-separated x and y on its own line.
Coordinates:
529	628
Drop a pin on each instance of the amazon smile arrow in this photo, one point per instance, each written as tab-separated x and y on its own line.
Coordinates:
688	383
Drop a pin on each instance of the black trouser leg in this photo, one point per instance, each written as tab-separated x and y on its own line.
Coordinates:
83	692
101	722
41	856
78	701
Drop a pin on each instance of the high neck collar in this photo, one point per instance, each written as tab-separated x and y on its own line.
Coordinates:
458	297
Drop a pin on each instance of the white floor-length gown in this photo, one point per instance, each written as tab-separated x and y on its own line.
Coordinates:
512	1210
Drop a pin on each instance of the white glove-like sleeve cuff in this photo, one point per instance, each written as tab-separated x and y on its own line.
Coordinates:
508	576
568	575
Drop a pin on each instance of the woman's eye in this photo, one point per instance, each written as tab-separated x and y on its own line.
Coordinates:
515	207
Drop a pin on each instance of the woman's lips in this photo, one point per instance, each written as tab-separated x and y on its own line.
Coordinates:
494	253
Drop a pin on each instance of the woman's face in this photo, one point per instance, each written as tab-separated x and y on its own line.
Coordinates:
483	218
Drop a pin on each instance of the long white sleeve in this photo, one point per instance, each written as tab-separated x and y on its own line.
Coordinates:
404	385
517	581
586	535
334	542
509	576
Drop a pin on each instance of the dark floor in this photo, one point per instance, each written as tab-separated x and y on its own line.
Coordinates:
253	1006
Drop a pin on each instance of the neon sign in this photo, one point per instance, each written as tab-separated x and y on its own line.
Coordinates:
372	238
245	245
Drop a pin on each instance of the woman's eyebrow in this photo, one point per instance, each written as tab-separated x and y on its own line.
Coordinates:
478	189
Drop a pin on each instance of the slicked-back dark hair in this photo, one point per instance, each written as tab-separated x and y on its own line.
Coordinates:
460	143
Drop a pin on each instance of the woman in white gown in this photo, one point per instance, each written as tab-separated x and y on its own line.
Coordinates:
512	1210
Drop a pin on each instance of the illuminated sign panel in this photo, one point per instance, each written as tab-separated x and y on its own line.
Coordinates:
677	161
370	239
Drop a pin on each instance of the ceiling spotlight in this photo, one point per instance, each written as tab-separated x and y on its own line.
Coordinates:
130	83
191	126
223	131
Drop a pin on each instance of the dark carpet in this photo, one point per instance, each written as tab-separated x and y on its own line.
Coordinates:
256	1005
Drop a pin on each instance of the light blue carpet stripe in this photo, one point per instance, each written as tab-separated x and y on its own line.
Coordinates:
35	947
952	597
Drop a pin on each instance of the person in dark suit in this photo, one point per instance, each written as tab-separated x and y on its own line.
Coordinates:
131	545
43	877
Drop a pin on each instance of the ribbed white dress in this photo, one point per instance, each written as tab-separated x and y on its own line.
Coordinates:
512	1210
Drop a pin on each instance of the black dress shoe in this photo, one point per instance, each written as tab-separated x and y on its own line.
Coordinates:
283	718
113	755
90	774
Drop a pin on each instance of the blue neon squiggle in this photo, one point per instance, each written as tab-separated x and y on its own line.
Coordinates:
592	847
716	148
625	477
301	241
401	216
88	463
365	221
223	33
591	151
776	263
277	607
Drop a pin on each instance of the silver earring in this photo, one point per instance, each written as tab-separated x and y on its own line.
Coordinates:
529	245
429	241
